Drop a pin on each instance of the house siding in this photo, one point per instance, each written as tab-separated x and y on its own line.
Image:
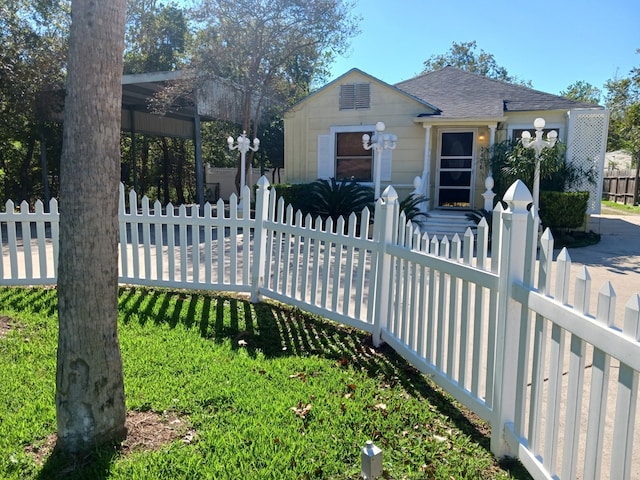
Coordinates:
403	108
316	115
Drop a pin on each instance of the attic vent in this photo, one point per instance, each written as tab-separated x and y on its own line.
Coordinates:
355	96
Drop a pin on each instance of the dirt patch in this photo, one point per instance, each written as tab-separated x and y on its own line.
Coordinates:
6	324
146	431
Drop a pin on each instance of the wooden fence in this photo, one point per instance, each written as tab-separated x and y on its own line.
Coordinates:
620	186
558	384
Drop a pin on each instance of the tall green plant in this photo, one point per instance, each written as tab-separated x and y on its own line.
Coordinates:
510	161
333	199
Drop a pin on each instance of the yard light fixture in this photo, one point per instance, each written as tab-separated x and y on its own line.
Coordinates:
243	145
371	461
379	142
538	145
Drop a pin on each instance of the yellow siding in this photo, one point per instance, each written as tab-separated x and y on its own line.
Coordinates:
320	111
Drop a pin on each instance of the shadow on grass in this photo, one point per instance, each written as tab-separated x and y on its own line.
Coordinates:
95	465
277	330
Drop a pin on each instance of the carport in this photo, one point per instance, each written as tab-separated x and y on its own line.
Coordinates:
207	100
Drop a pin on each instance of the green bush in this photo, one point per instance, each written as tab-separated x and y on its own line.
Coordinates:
563	210
298	195
334	199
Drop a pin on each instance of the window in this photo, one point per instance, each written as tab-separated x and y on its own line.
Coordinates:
352	160
355	96
517	132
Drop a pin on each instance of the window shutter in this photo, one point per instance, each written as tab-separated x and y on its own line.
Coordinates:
355	96
347	96
326	165
385	165
363	95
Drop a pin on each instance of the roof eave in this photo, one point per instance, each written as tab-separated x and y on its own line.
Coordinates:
467	121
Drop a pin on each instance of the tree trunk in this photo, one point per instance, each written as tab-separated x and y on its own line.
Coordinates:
178	148
144	172
90	404
166	167
25	178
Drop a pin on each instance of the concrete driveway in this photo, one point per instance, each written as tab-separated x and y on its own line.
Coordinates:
616	258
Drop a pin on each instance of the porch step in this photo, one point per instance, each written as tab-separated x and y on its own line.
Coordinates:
448	222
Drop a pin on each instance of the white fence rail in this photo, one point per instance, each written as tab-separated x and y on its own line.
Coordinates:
557	383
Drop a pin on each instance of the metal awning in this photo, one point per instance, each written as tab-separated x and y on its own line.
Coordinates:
138	92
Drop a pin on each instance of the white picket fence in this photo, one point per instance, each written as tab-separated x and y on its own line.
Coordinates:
558	384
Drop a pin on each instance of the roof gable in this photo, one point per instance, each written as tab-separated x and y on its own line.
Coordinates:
356	74
460	94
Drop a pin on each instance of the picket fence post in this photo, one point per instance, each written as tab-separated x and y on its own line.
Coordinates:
259	239
385	231
512	269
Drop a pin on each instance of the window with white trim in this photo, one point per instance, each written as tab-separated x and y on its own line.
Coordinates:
516	133
353	162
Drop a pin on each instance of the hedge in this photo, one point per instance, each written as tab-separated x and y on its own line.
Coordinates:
563	210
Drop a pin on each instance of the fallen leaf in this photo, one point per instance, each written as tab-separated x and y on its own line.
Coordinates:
380	406
301	411
300	376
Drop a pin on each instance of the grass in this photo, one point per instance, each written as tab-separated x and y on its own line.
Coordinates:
241	377
632	209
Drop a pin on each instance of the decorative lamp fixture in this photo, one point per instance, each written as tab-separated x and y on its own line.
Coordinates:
379	142
243	145
538	145
371	461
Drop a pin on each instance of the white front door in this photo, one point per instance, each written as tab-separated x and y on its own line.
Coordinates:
454	186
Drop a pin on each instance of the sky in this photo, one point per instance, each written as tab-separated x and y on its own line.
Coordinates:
552	44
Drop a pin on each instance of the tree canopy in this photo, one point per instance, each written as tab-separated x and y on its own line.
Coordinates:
464	56
272	49
583	92
623	101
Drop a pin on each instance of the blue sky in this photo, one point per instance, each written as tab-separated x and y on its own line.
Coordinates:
552	44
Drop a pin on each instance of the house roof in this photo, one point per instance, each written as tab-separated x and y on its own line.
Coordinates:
460	94
433	110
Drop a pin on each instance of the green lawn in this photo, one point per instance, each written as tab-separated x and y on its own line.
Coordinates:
631	209
262	391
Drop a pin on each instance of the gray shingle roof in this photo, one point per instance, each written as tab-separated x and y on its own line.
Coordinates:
460	94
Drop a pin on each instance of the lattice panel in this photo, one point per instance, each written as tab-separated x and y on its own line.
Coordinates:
587	142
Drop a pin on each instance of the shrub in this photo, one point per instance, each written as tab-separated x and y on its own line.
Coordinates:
510	160
330	199
411	208
297	195
563	210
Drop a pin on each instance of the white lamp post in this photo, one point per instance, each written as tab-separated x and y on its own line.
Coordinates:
538	145
243	145
379	142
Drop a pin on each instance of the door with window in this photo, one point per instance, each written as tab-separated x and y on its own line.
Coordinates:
455	169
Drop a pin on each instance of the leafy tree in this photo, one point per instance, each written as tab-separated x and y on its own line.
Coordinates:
464	56
273	50
90	404
32	58
156	37
583	92
155	40
623	102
